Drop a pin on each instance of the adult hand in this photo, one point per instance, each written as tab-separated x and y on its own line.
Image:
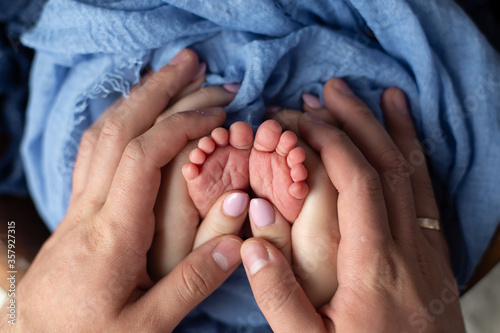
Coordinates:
392	275
310	244
91	273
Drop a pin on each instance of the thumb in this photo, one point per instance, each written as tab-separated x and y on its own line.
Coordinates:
278	294
187	285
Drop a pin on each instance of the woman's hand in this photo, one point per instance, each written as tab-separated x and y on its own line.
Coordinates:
393	276
91	273
178	229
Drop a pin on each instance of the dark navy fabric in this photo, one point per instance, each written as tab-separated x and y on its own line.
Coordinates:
15	62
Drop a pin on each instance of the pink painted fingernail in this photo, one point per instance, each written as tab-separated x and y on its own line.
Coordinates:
399	101
202	68
261	212
312	101
254	256
342	87
227	253
235	204
180	57
232	88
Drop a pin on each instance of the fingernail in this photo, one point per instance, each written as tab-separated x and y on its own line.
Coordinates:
273	109
262	213
202	68
342	87
399	101
180	57
211	111
313	118
312	101
255	256
232	88
235	204
227	253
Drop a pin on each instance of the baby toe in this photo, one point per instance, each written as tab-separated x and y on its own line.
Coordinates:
190	171
241	135
197	156
267	136
296	156
298	190
220	136
207	145
298	173
287	142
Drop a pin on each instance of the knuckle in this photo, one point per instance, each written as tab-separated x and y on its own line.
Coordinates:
178	121
96	236
90	137
274	296
362	111
135	150
288	119
154	82
335	137
88	142
218	227
157	83
391	160
178	118
338	136
367	181
113	129
196	284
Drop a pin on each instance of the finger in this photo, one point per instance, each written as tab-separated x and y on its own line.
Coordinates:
131	117
361	206
196	83
277	293
316	234
83	162
177	219
226	217
368	134
193	280
267	223
135	186
400	126
204	98
88	143
286	118
313	105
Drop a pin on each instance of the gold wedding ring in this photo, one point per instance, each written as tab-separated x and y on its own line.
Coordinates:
428	223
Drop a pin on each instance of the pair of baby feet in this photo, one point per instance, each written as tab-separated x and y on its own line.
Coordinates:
275	170
232	160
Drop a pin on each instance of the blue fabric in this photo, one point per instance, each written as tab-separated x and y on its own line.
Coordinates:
90	52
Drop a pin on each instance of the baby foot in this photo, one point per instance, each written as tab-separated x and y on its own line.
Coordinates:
218	165
276	170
